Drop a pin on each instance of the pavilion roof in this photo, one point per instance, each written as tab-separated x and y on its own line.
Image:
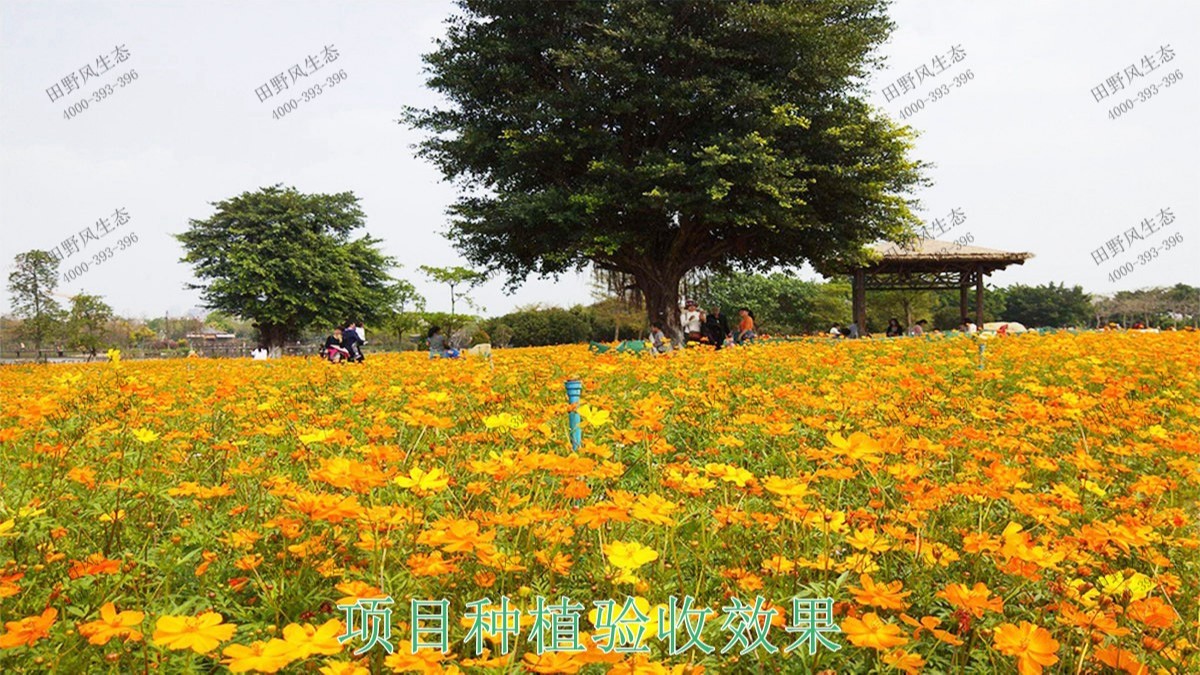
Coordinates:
932	255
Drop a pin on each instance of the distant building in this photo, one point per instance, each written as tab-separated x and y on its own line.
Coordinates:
208	333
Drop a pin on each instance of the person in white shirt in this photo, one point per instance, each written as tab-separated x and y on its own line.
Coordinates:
692	320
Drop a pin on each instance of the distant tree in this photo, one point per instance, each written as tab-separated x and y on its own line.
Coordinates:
1183	302
286	261
657	138
947	313
405	315
228	324
906	306
87	320
455	277
31	285
1048	305
781	303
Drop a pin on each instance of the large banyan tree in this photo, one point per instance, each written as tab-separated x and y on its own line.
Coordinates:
657	138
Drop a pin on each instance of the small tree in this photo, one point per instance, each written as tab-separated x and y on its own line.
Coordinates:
32	286
453	277
89	315
286	260
406	314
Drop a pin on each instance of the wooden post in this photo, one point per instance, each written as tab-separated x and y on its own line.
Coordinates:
979	296
964	280
859	300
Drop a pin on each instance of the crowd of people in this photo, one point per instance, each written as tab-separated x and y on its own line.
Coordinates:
705	328
345	344
895	329
700	327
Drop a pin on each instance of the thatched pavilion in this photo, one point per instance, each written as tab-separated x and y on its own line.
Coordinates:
929	265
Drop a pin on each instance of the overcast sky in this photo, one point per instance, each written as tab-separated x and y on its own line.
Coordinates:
1023	144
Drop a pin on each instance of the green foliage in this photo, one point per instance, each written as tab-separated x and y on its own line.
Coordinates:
228	324
287	261
87	320
612	319
1176	306
454	277
782	304
659	138
541	326
947	314
31	286
1048	305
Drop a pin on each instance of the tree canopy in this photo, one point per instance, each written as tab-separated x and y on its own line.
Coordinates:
656	138
287	260
1048	305
31	285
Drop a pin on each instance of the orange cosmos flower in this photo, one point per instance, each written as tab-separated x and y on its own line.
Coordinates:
111	625
201	634
1120	659
886	596
1152	612
403	660
1031	644
307	640
28	630
930	624
8	585
343	668
975	600
905	661
356	590
263	657
871	631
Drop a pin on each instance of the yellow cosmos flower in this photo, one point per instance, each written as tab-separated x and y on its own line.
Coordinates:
1139	585
145	435
595	417
504	421
423	482
201	634
318	436
629	555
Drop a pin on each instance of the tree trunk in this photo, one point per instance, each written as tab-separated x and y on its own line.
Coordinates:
273	338
660	287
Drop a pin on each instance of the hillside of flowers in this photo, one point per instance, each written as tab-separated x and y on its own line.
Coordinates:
838	506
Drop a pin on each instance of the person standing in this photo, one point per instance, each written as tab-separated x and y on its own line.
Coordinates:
692	320
717	327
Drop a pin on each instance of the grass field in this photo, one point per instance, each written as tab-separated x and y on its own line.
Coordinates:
194	515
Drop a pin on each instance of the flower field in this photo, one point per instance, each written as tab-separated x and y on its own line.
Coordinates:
850	506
